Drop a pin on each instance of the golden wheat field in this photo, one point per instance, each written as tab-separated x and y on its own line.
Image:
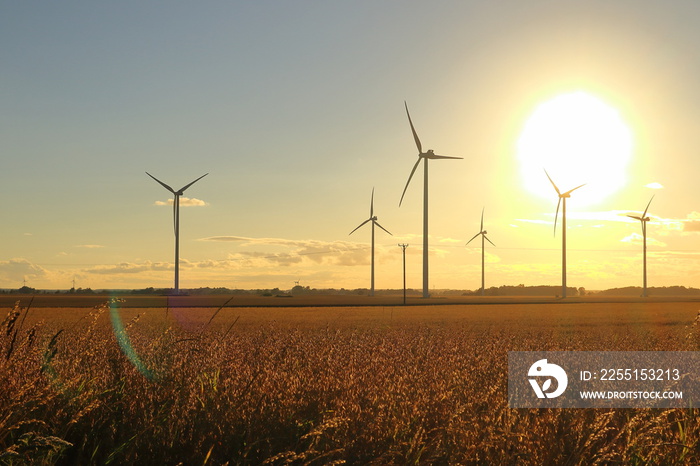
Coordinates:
115	384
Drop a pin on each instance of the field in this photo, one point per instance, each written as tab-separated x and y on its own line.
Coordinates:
325	384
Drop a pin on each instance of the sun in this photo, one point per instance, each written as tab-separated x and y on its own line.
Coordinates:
578	139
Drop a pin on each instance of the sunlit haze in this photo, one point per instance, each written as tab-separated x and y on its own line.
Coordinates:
296	111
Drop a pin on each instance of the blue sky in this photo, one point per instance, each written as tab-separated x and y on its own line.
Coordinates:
296	111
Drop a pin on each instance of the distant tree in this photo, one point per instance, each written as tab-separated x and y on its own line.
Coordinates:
298	289
582	291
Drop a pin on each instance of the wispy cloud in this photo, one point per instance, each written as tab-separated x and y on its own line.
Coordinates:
226	239
654	185
130	267
89	246
450	240
316	251
184	202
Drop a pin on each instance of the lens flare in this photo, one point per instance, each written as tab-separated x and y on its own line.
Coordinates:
125	342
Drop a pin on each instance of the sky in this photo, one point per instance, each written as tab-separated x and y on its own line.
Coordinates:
296	111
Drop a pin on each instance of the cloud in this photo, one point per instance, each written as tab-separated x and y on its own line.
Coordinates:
265	259
680	255
298	251
654	185
130	267
226	238
184	202
89	246
16	270
600	216
636	238
688	225
692	222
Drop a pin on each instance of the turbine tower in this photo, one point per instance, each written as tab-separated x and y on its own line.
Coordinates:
644	219
424	157
372	218
564	197
176	222
483	234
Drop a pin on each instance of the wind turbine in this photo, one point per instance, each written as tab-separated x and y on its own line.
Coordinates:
644	219
176	222
483	234
564	197
372	218
424	157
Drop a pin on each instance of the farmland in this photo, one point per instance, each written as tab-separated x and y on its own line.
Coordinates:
323	383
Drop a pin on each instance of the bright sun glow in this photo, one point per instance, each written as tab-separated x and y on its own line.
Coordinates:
578	139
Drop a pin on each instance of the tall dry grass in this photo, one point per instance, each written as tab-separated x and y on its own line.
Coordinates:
104	391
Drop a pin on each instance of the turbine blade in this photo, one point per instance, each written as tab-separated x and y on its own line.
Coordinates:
175	212
550	180
487	239
555	217
645	210
353	231
435	156
409	180
188	185
482	219
572	190
161	183
636	218
377	223
415	135
474	237
371	205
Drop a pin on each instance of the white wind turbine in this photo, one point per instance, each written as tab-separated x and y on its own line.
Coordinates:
644	219
424	157
176	222
483	234
372	218
564	197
